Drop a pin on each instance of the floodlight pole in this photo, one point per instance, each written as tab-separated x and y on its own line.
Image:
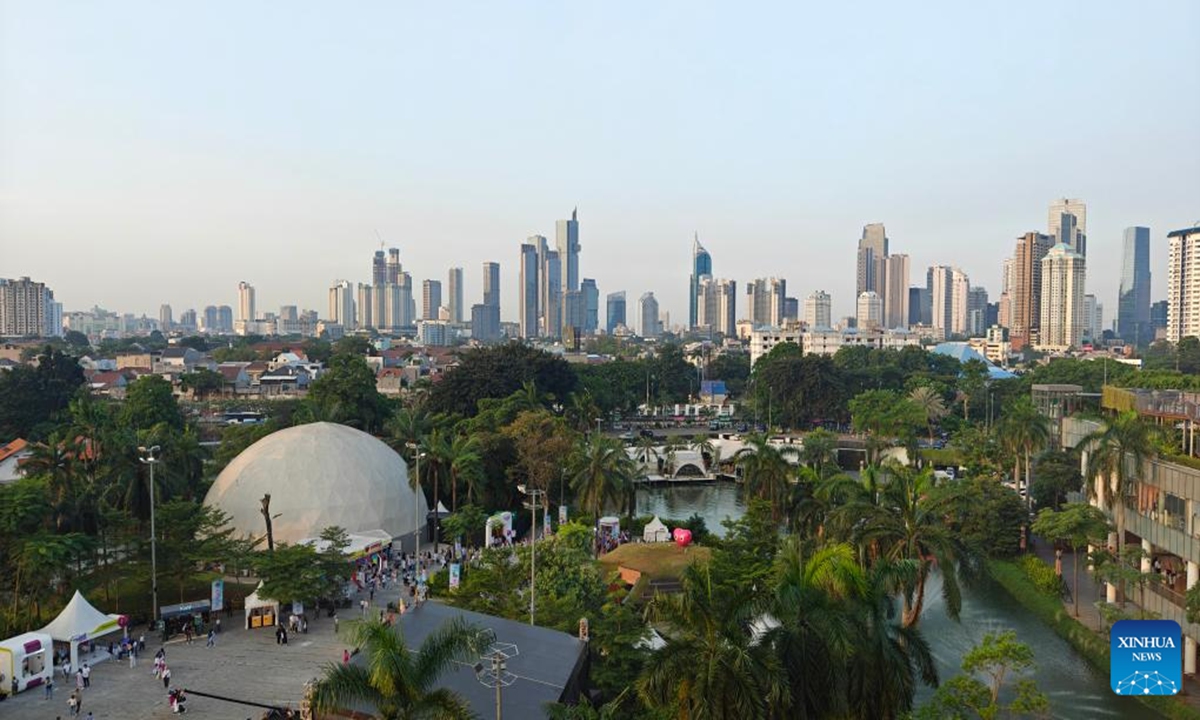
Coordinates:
498	668
532	494
149	456
417	507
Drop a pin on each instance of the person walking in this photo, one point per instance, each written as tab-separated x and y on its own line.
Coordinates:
73	704
86	670
345	657
50	686
212	638
335	624
166	676
79	679
132	656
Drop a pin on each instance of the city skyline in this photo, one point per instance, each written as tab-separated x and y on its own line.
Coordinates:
130	167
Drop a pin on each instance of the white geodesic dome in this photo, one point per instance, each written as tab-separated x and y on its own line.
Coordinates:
318	475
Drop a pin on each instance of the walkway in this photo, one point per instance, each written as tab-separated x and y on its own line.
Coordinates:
245	664
1091	592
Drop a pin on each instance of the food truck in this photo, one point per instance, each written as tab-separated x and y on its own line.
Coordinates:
25	662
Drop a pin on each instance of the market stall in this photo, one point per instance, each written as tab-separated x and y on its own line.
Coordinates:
25	662
80	623
260	612
656	531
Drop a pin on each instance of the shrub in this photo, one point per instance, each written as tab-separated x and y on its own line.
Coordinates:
1041	575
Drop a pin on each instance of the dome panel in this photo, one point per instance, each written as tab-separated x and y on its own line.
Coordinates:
318	475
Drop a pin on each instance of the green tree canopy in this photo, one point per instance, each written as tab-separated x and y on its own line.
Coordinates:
345	393
32	397
149	401
497	372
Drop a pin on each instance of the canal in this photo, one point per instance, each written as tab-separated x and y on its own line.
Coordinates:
1076	691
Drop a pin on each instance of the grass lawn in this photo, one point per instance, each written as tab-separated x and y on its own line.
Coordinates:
657	561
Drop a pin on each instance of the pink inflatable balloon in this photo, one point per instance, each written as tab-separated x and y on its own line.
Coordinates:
683	537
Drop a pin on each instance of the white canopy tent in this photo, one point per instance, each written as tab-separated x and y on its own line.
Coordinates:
266	611
656	531
80	622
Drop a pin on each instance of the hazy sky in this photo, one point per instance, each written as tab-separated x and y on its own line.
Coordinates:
163	151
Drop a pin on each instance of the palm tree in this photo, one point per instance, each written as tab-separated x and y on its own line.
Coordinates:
931	405
646	449
1025	431
909	523
708	451
602	476
710	668
814	635
766	471
464	462
55	462
1116	454
408	426
395	680
820	450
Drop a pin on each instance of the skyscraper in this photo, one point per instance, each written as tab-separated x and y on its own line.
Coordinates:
27	309
529	289
870	311
1061	302
960	298
717	306
567	242
341	304
591	305
939	281
765	297
365	307
379	273
164	317
491	283
650	327
1133	302
701	268
1183	284
1025	302
485	322
454	286
977	312
894	294
225	319
615	311
552	295
1093	318
872	249
818	310
920	306
573	312
212	320
187	320
393	266
1068	224
246	314
431	299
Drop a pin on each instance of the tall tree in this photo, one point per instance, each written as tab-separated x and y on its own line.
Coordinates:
497	372
1078	525
601	475
149	401
1116	456
345	393
931	405
32	397
766	470
396	680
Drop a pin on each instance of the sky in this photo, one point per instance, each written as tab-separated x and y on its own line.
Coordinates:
158	152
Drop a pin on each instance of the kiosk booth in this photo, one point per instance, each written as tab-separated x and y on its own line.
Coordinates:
80	623
260	612
656	531
25	662
499	530
175	617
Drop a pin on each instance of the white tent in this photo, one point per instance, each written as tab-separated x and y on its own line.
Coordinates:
265	611
80	622
656	531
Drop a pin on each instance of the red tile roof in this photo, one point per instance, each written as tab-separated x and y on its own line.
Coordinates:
14	447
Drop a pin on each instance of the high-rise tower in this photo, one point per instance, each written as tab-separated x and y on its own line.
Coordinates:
245	314
701	268
1025	302
1067	223
1061	302
872	249
1133	302
567	242
491	284
1183	284
454	289
529	288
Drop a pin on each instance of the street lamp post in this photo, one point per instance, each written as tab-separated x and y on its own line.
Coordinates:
417	506
149	456
533	494
492	668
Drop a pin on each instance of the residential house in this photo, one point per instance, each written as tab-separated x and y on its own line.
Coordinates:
11	456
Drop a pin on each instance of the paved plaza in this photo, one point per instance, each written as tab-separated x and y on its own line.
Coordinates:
245	664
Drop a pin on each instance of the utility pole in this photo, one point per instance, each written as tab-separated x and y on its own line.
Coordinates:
149	456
